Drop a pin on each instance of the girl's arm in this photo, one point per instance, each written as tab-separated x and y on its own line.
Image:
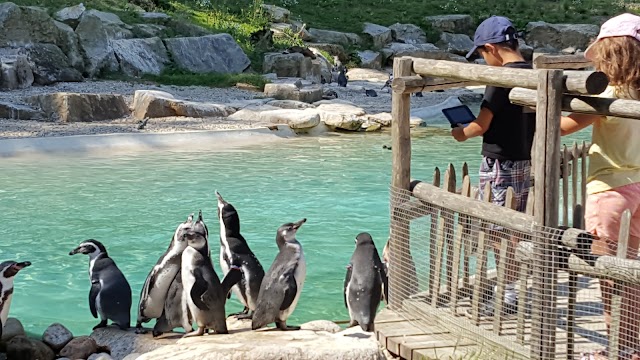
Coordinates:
576	122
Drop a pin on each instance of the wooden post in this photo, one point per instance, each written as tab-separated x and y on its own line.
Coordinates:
403	281
547	187
618	292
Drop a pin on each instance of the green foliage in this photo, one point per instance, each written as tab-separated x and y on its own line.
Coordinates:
181	78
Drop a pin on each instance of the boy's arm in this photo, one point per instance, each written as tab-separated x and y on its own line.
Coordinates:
475	128
576	122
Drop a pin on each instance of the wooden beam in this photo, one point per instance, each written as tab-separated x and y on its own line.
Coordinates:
608	267
583	104
501	216
561	62
417	83
578	82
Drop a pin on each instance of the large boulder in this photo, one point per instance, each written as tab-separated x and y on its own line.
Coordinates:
378	35
80	348
50	65
123	343
141	56
290	104
457	23
70	15
95	42
111	23
70	45
459	44
308	94
331	49
155	104
334	37
408	33
525	50
560	36
370	59
276	13
57	336
73	107
287	65
26	25
16	112
218	53
13	327
296	119
341	116
23	348
425	51
148	30
15	72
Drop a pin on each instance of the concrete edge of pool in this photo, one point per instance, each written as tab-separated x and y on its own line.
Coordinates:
125	142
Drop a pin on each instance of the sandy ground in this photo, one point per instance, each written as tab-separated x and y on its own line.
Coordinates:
21	128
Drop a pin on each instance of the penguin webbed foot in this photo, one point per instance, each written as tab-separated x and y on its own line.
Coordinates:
241	313
245	315
155	333
141	331
102	324
282	325
198	332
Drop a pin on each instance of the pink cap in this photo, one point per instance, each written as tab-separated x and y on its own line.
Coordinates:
621	25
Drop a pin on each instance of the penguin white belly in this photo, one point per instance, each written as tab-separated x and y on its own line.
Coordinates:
5	308
250	302
188	281
348	292
299	274
98	304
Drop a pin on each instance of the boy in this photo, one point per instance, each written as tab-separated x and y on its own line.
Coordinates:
507	130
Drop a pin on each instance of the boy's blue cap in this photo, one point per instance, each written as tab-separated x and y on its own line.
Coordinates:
493	30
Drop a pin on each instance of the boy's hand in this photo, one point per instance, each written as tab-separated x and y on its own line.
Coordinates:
458	133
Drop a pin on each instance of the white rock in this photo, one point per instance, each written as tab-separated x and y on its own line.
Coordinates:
360	74
296	119
155	104
321	325
341	116
57	336
290	104
141	56
287	65
101	356
132	356
75	107
383	119
308	94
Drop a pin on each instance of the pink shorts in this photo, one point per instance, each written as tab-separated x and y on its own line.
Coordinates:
602	218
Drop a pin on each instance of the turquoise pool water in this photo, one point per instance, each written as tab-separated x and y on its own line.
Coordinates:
134	203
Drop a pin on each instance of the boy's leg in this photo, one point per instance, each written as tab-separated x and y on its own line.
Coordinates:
602	218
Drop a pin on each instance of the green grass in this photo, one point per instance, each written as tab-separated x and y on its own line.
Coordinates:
180	78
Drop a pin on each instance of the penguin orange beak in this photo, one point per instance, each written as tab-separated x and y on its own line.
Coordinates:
297	224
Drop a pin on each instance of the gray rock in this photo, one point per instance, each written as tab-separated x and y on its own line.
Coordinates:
70	46
101	356
287	65
23	348
324	65
187	29
459	44
147	30
155	17
408	33
50	65
122	343
26	25
17	112
560	36
141	56
341	116
218	53
57	336
70	15
276	13
93	38
290	104
426	51
113	26
370	59
379	35
73	107
155	104
296	119
290	92
15	72
457	24
321	325
13	327
280	29
80	348
105	17
525	50
132	356
334	37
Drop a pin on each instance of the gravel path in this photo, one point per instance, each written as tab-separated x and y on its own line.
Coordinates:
21	128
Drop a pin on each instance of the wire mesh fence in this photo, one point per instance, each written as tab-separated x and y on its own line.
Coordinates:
504	287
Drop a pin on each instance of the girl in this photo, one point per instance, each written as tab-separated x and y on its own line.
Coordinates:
613	182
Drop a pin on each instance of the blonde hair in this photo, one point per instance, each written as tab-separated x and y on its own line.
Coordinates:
619	58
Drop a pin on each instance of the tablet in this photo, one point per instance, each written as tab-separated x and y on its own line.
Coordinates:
459	115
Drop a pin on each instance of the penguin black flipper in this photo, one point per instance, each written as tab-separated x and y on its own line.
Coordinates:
199	290
233	277
93	295
290	291
385	283
347	278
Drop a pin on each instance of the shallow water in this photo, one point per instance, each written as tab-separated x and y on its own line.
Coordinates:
134	203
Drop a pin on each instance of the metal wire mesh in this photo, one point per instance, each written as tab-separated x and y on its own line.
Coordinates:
482	288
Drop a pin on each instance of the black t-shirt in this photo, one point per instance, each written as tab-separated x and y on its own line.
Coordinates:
510	134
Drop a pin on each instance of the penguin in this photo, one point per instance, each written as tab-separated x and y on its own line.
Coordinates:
142	124
388	83
154	291
370	93
282	285
234	252
8	270
203	294
110	294
419	94
364	283
173	315
342	78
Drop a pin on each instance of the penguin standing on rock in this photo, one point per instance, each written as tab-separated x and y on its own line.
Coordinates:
342	77
8	270
282	285
364	283
110	294
235	252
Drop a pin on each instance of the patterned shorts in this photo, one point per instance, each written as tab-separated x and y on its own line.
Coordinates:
504	173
